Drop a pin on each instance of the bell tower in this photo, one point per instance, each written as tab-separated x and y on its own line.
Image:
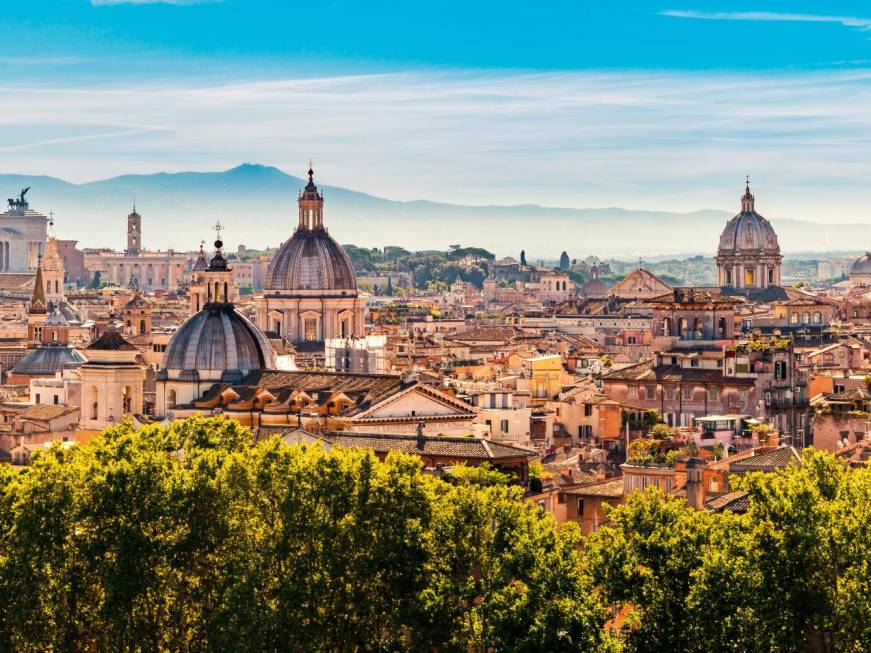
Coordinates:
216	283
134	233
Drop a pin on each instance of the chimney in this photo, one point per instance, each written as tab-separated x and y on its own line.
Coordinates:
694	485
600	473
421	439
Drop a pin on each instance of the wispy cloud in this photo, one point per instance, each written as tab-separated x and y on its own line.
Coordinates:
42	61
74	139
106	3
771	16
674	141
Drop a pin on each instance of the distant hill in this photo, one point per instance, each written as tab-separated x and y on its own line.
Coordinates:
257	205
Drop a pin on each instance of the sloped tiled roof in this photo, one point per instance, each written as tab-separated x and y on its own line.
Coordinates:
491	333
675	373
610	489
111	340
768	461
137	302
737	502
695	295
640	280
375	387
46	411
449	447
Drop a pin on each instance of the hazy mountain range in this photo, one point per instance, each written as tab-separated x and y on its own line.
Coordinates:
257	205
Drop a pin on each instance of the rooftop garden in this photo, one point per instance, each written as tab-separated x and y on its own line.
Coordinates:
775	344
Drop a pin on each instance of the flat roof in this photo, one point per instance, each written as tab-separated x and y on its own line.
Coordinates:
720	418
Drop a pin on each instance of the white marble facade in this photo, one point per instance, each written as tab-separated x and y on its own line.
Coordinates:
23	234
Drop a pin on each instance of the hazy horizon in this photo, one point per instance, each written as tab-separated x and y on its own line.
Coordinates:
644	106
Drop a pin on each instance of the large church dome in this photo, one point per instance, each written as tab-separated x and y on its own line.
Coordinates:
748	230
748	256
217	343
311	259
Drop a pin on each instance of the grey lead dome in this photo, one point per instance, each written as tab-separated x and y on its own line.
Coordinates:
219	339
862	265
748	230
311	260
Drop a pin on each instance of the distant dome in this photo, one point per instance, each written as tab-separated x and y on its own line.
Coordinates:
48	359
217	340
862	265
748	256
747	231
311	260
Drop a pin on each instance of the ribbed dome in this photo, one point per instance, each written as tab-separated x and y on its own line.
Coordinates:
218	339
311	260
748	230
862	265
48	359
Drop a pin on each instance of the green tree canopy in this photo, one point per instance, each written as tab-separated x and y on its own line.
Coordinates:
193	538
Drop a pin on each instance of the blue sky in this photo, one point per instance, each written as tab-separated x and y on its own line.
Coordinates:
647	104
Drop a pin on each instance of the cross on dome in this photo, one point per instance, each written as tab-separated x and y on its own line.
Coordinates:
748	202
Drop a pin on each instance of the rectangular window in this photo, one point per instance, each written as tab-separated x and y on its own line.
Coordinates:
714	393
669	392
780	370
633	392
311	330
651	392
504	426
687	391
588	410
37	398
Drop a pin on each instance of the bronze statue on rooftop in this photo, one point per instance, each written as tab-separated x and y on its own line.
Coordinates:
19	202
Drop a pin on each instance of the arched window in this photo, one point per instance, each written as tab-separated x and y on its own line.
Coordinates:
95	406
682	327
806	318
666	327
818	318
127	400
721	327
142	329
